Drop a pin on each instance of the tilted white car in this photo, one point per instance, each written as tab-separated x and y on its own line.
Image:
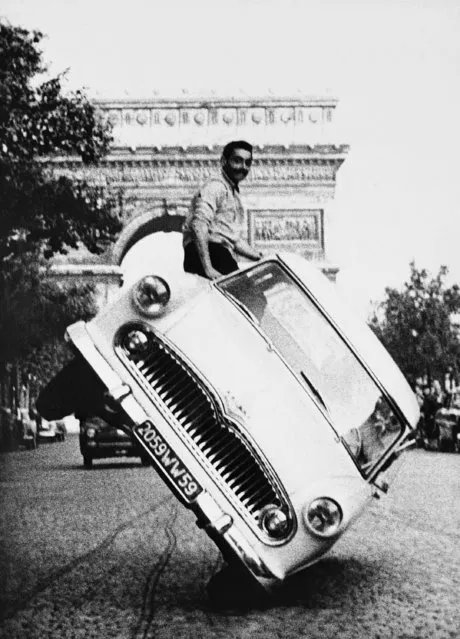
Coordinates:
265	406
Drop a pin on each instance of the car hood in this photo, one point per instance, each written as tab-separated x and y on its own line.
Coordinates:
259	392
257	389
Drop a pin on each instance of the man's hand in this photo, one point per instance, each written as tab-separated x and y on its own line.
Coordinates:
212	273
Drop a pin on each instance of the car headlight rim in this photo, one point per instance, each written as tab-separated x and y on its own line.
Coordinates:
323	517
275	522
151	295
136	341
91	432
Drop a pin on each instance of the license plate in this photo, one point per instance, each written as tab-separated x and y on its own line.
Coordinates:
170	464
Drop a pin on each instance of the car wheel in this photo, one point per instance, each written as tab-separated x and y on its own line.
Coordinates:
419	439
146	461
445	444
87	462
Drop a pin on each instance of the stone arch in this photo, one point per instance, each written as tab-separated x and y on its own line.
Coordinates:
141	226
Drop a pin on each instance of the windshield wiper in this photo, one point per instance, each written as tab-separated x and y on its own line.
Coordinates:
315	391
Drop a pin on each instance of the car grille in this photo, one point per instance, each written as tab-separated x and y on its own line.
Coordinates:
246	479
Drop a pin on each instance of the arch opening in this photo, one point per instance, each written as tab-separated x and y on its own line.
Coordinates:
144	225
154	254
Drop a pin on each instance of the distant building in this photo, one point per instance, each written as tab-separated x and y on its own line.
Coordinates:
164	148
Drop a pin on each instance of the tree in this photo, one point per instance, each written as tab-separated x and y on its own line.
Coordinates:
38	209
41	213
416	325
34	311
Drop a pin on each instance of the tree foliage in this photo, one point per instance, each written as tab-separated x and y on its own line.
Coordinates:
42	213
37	121
416	324
34	310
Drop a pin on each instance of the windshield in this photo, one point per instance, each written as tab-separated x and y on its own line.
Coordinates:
320	358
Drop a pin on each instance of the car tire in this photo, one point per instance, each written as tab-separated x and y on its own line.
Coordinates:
445	445
145	460
87	462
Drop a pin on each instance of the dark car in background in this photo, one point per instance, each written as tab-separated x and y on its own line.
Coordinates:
100	439
447	425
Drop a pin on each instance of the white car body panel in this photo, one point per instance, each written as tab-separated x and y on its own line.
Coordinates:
270	405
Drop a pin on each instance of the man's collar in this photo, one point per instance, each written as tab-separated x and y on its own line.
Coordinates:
234	186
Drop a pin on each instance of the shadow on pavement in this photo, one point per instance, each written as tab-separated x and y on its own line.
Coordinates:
331	583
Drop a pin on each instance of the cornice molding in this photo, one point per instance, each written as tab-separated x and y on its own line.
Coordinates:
173	171
262	153
186	120
213	101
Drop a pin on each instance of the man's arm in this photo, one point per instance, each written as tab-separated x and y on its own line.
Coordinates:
201	233
205	208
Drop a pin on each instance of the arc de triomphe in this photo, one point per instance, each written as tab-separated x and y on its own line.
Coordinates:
165	147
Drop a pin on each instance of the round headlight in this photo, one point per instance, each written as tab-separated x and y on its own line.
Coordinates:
90	433
275	522
151	295
323	516
136	341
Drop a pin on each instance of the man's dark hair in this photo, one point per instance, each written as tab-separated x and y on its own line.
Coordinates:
236	144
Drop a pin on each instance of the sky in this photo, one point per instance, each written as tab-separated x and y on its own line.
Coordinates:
394	66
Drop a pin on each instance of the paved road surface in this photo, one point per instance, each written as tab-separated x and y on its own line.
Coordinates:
109	553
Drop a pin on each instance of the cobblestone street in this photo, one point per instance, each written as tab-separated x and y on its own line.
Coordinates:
110	553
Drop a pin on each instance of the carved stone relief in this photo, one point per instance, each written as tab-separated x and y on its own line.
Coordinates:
287	226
